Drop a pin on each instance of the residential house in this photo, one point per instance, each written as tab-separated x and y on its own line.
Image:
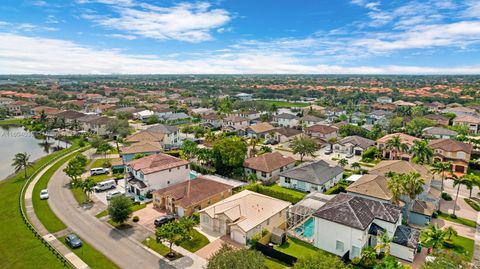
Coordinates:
244	96
439	120
144	147
379	117
260	130
69	116
243	215
355	145
211	120
316	176
201	111
5	101
249	114
384	100
143	114
155	172
95	124
470	122
347	224
371	186
309	120
391	154
286	120
175	118
162	111
316	108
456	152
267	166
460	111
322	131
438	133
282	135
171	137
233	123
188	197
48	111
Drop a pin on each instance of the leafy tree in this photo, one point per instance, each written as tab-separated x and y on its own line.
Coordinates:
416	125
152	119
119	208
384	240
118	127
371	154
409	184
433	236
319	260
394	185
350	129
303	146
189	148
421	152
21	161
173	232
368	256
228	258
356	166
395	145
229	154
441	168
75	125
188	223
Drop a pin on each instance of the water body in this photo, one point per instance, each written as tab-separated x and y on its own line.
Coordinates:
14	139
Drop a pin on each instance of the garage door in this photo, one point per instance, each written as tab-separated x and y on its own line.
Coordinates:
237	237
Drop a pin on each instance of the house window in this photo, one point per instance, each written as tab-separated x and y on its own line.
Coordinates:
268	221
169	170
264	174
355	251
339	246
168	182
281	169
186	166
287	180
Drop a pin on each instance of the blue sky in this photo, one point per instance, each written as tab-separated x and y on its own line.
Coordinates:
241	36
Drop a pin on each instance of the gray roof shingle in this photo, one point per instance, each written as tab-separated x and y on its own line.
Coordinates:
317	173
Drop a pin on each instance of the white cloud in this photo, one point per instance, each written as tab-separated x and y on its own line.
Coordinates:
32	55
128	37
191	22
108	2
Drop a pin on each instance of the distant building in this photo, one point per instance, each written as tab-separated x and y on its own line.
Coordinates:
244	96
384	100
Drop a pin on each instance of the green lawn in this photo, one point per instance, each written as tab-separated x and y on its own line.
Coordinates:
91	256
158	247
463	246
99	162
79	195
102	214
274	264
19	247
135	207
285	103
99	178
11	122
42	209
458	220
197	241
297	248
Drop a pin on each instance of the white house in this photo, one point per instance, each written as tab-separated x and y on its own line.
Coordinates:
354	145
286	120
143	115
243	215
268	165
155	172
244	96
346	224
317	176
171	135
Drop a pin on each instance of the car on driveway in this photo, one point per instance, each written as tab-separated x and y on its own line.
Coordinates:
328	152
112	194
163	219
73	241
99	171
349	155
44	194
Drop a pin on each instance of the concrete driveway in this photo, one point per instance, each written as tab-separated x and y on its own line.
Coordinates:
102	196
147	215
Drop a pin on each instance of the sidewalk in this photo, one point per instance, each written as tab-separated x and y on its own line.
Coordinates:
66	252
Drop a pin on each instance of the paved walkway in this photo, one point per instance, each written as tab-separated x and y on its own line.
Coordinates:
462	230
476	250
66	252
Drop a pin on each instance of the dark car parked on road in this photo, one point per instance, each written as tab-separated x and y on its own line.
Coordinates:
73	241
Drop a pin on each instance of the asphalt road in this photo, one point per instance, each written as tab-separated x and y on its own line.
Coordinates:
121	249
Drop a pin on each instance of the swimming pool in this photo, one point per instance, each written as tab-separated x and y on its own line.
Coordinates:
192	175
306	229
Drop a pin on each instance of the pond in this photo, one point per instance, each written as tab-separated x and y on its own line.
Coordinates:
14	139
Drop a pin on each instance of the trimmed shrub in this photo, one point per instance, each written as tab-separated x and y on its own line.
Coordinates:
446	196
135	219
453	216
472	203
274	193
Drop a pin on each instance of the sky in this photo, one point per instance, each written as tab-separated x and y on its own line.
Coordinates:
240	37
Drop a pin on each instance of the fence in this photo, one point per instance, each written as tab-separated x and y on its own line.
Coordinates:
275	254
59	255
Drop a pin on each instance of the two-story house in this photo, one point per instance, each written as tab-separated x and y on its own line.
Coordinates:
322	131
286	120
267	166
260	130
354	145
389	153
171	137
449	150
235	123
211	120
472	123
155	172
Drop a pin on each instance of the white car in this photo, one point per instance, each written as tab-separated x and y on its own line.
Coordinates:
44	194
112	194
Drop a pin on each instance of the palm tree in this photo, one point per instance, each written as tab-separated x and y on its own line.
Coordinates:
449	232
394	185
356	166
75	125
395	144
385	239
457	181
21	161
421	152
433	236
471	180
368	256
412	185
87	187
253	143
188	223
343	162
441	168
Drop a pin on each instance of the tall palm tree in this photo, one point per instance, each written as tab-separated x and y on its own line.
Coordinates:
253	143
343	162
421	152
449	232
394	185
21	161
471	180
395	144
356	166
87	187
457	182
433	236
384	240
412	185
441	168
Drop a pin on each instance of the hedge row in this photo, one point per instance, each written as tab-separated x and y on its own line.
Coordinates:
274	193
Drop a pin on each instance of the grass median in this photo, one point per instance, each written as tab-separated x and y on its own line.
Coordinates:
91	256
19	247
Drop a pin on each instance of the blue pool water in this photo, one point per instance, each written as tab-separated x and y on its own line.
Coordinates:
193	176
306	229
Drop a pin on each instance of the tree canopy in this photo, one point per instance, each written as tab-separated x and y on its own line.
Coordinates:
228	258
